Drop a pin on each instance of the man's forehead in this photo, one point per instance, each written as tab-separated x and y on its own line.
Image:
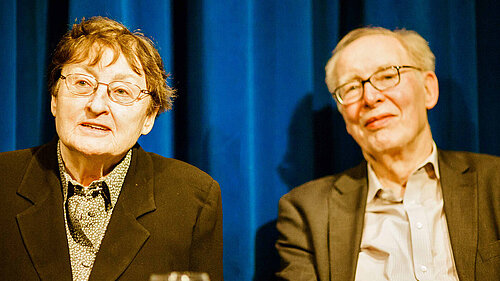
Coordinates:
368	54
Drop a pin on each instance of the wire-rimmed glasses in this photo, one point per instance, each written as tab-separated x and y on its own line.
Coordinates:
121	92
381	80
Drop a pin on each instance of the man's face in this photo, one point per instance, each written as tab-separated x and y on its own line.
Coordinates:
94	125
385	121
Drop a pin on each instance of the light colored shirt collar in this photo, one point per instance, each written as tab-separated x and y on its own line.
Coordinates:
374	184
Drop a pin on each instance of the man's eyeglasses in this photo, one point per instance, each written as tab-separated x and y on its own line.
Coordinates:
124	93
381	80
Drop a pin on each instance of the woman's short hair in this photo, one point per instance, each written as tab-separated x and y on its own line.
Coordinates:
90	38
415	45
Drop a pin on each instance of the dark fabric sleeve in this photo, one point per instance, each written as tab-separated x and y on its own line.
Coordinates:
294	245
206	248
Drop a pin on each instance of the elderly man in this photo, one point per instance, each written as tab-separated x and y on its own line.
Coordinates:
92	204
410	211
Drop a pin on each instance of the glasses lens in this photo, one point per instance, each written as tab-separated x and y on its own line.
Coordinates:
123	92
385	78
350	92
80	84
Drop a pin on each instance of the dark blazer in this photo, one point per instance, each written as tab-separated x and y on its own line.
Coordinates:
321	222
168	217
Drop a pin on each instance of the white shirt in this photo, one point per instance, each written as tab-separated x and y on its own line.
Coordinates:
406	238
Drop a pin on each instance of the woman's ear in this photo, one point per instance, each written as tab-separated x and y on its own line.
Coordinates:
149	122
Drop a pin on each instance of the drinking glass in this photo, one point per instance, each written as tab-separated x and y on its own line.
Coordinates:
180	276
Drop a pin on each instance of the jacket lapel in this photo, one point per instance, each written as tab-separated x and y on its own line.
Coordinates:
125	236
42	225
346	204
459	185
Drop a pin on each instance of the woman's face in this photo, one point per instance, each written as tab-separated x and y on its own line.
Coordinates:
94	125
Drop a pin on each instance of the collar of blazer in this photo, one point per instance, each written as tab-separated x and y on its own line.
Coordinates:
42	224
346	208
460	187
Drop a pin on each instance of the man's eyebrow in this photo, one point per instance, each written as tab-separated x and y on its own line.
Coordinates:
357	77
351	78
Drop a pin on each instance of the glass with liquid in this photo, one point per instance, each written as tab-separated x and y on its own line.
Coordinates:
180	276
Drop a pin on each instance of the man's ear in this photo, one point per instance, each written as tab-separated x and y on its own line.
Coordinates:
431	89
149	122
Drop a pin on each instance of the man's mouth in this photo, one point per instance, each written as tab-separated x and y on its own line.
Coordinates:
377	121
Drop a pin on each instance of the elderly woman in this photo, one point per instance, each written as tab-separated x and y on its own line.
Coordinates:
92	204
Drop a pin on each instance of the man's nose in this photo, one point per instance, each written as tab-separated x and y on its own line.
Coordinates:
371	95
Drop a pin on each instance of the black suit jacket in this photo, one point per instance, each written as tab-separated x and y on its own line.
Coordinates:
321	222
168	217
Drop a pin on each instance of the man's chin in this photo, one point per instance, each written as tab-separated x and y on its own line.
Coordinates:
383	145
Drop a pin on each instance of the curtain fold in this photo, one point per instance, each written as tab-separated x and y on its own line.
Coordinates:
8	55
252	109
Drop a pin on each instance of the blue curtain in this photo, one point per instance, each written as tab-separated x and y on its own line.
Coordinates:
253	110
